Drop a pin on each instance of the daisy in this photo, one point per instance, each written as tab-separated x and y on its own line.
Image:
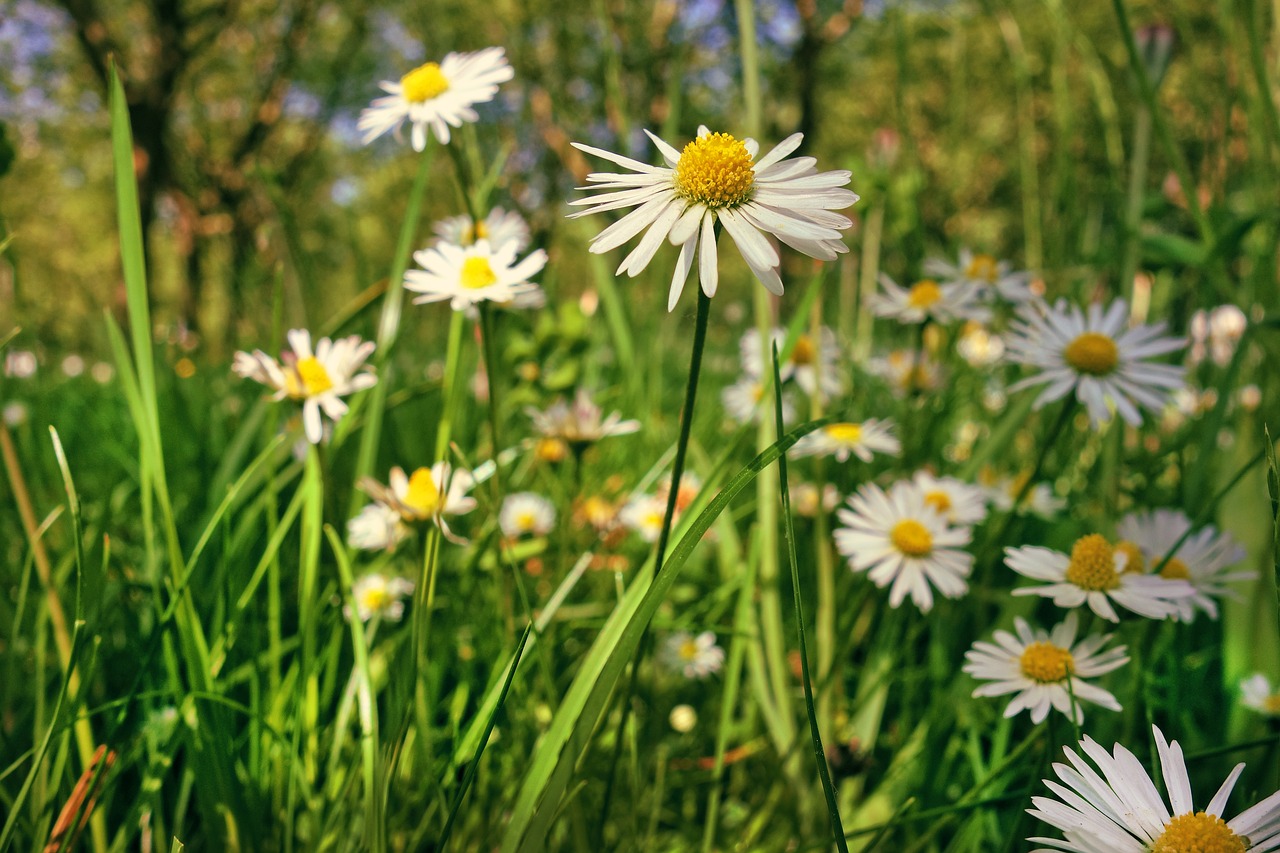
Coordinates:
1256	693
437	95
1039	499
742	401
808	500
469	275
809	362
958	502
426	495
380	596
1200	560
499	228
1118	809
376	527
1045	669
842	439
579	424
979	347
696	657
319	379
1094	574
1096	356
716	180
526	513
928	300
644	514
899	539
907	371
992	277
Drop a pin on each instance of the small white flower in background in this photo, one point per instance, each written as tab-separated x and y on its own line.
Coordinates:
1257	693
1201	560
928	300
319	379
472	274
72	366
683	718
437	96
426	495
14	414
580	423
815	366
379	596
376	527
808	501
526	513
20	364
841	440
958	502
644	514
695	657
978	346
716	180
499	227
745	402
1094	574
898	539
1118	809
1045	668
907	372
1217	332
994	278
102	372
1039	499
1096	355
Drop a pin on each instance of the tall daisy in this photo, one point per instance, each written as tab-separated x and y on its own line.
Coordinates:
1118	809
928	300
993	277
426	495
813	365
898	539
1094	354
862	439
716	180
473	274
437	95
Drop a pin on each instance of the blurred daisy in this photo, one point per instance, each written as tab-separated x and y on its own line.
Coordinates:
957	501
840	440
716	180
1094	574
907	372
579	424
742	401
319	379
808	362
994	278
1201	560
526	513
808	500
899	539
376	527
1044	669
469	275
426	495
928	300
1118	809
1220	330
978	346
499	228
1039	499
690	485
644	515
1097	357
695	657
380	596
437	95
1257	693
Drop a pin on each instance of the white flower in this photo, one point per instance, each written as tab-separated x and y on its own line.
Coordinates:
1221	329
428	494
683	718
842	439
899	539
1096	356
380	596
376	527
1039	499
1200	560
644	514
20	364
499	228
579	424
808	363
1257	693
979	347
714	181
473	274
995	278
958	502
1118	809
1094	574
14	414
745	401
437	95
526	513
1045	668
928	300
807	500
695	657
319	379
907	372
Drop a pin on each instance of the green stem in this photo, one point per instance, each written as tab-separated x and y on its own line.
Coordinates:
1133	206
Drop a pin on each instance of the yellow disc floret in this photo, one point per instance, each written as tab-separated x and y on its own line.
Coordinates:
311	379
1175	569
939	500
423	495
424	83
844	433
1046	663
1093	564
1135	564
1201	832
911	538
715	170
982	268
804	352
688	650
924	294
1092	353
476	273
374	599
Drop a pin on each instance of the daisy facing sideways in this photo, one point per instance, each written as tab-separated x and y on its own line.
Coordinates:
580	423
467	275
426	495
840	440
717	181
928	300
994	278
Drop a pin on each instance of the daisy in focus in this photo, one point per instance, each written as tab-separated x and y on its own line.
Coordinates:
579	424
898	539
1096	355
1201	560
437	95
814	365
695	657
526	514
1257	693
841	440
1039	665
426	495
928	300
992	277
379	596
1094	574
318	379
469	275
957	501
1118	809
499	228
717	181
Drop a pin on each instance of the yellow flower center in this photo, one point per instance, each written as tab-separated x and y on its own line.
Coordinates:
1092	353
982	268
551	450
423	495
844	433
911	538
312	378
654	519
1271	705
1175	569
1136	563
940	501
805	352
374	599
924	294
525	520
482	230
1046	663
1199	832
715	170
1093	564
476	273
688	650
424	83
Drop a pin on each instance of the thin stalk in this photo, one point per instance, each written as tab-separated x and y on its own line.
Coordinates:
868	273
825	624
1136	192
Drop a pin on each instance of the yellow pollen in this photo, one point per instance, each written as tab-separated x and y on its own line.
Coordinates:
844	433
940	501
424	83
375	598
1136	564
423	496
688	650
551	450
1175	569
805	352
1271	704
982	268
715	170
911	538
476	273
924	294
1199	832
1046	663
654	519
525	520
1093	565
1092	353
312	378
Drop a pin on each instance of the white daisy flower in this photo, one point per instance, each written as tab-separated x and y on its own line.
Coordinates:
472	274
978	346
1200	560
1045	668
1039	499
1118	809
526	513
1096	356
580	423
744	401
426	495
376	527
899	539
928	300
644	514
1220	330
994	278
437	95
716	180
380	596
1257	693
499	228
695	657
863	440
907	371
809	361
319	379
808	500
1094	574
958	502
